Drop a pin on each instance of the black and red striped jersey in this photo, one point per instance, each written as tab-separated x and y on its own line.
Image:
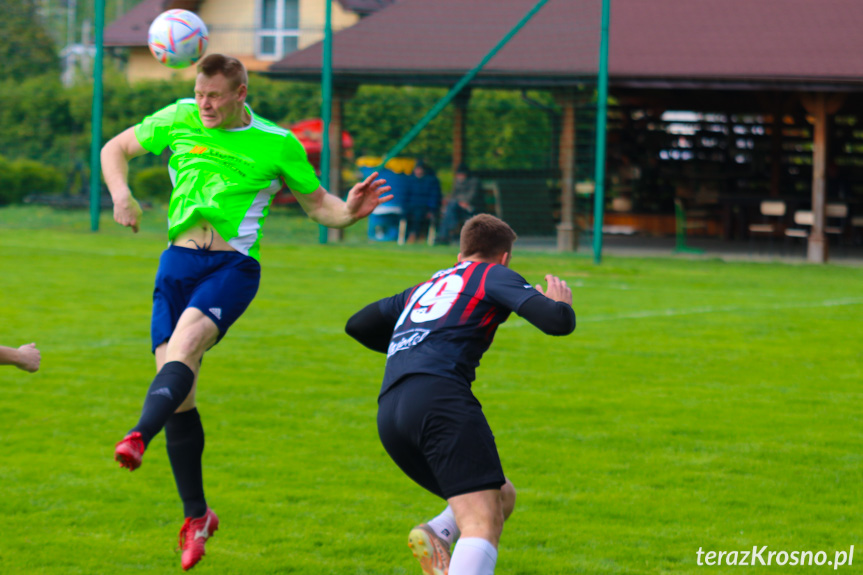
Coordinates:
443	326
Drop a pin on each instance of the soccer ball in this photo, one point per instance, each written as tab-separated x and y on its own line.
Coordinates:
178	38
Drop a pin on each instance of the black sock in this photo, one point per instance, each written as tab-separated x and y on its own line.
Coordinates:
185	436
167	392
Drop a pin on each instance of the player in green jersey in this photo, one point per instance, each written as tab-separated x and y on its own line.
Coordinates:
226	165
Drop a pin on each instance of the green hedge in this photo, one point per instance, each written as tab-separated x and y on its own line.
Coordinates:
152	184
20	178
42	120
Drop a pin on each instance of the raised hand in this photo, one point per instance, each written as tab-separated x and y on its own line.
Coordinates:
557	290
365	196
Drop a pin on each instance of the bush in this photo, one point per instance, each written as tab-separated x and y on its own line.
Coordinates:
20	178
40	119
38	178
152	184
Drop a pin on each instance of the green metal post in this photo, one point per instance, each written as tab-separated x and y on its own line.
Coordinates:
96	120
326	107
601	118
432	114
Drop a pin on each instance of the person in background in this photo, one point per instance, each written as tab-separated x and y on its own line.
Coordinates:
422	201
463	202
384	220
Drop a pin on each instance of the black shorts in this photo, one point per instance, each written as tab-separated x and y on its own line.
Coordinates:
435	431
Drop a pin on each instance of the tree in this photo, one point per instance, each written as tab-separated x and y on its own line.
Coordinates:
26	49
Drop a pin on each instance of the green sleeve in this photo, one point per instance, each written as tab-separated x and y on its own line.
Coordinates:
154	131
295	167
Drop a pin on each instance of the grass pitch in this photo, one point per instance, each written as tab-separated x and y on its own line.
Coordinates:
699	404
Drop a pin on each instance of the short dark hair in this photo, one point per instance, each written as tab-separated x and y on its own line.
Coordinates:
486	236
227	66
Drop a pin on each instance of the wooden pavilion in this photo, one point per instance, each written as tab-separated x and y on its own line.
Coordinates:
774	59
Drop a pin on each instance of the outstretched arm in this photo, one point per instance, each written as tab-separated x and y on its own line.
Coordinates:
553	314
26	357
333	212
115	168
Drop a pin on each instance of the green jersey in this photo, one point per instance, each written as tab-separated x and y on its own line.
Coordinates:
228	177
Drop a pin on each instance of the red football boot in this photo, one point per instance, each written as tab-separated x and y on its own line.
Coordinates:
129	451
193	536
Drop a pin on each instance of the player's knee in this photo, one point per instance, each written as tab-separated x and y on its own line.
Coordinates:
507	498
189	345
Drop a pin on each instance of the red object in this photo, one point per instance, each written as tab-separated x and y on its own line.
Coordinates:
193	536
129	451
310	133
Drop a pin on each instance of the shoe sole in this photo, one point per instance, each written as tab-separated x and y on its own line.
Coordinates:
126	460
422	547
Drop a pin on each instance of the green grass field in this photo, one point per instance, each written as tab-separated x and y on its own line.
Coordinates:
699	404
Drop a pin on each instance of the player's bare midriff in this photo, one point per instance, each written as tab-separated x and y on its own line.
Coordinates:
202	236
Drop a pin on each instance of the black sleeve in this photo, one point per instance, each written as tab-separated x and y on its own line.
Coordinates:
552	317
371	327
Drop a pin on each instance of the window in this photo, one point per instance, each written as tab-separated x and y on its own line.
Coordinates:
278	34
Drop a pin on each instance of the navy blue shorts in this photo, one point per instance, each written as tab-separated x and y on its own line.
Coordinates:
220	284
435	431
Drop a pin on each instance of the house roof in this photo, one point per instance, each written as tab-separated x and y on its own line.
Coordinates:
418	41
131	28
797	44
365	7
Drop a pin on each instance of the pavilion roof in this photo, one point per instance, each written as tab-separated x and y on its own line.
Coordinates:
748	44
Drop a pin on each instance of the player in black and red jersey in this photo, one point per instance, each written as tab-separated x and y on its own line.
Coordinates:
429	421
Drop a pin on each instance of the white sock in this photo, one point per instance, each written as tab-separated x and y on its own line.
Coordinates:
444	526
473	556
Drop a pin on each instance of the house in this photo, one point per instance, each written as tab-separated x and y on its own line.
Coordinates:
258	32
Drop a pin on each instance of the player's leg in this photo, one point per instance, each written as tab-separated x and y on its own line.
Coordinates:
446	527
482	514
435	431
218	301
184	433
173	386
198	296
400	428
461	449
480	517
184	437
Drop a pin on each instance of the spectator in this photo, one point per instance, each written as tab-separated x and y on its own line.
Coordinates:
384	220
422	200
464	201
